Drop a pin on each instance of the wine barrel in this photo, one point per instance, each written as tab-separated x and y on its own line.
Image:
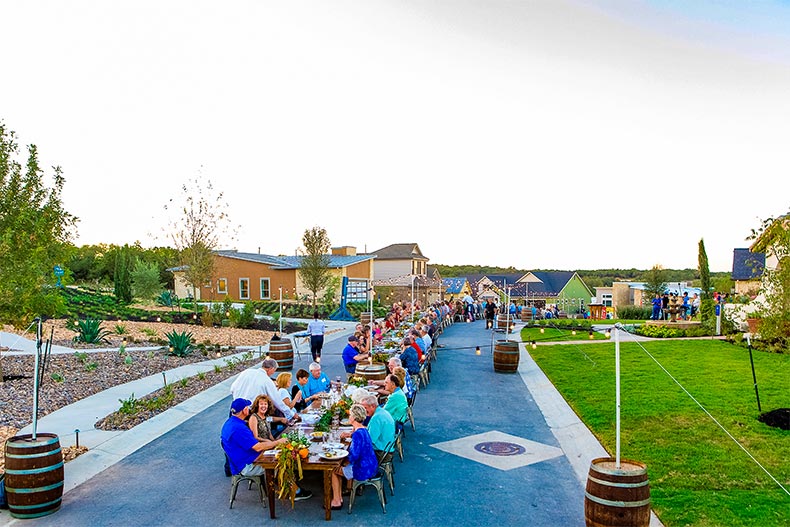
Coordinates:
526	314
33	475
617	497
365	317
506	356
502	322
372	372
282	351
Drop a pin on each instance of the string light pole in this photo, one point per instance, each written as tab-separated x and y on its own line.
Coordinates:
281	310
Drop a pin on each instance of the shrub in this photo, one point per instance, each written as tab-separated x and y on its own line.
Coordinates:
90	331
180	343
167	299
145	280
634	312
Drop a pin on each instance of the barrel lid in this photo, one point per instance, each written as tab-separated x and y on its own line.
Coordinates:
627	466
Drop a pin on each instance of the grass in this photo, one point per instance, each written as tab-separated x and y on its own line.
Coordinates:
698	475
557	335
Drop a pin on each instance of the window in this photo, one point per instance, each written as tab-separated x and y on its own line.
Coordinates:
244	288
265	289
357	291
606	299
222	286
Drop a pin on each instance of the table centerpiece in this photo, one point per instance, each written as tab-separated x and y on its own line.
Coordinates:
289	464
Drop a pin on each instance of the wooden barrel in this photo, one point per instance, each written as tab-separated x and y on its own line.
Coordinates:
617	497
33	475
506	356
366	317
372	372
526	314
502	322
282	351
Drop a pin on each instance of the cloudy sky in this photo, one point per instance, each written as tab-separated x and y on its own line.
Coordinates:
556	134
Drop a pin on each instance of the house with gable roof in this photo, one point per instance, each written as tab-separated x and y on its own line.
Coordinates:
401	272
254	276
747	271
565	289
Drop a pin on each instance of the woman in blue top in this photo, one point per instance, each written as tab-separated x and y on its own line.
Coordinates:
362	462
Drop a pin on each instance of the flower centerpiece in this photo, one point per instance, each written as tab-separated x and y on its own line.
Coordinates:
381	357
339	409
358	381
289	464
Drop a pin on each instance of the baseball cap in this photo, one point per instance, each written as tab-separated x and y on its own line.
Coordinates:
352	338
239	404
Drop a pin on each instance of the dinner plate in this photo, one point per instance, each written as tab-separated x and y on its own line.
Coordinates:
333	454
333	446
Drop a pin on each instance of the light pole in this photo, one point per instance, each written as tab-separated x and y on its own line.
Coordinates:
412	295
281	310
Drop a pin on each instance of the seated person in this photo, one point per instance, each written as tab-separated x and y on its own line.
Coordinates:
352	356
241	447
317	384
393	363
408	385
408	357
260	419
361	459
283	384
381	425
396	404
301	382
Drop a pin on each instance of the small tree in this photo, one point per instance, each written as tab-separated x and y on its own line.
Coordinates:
200	224
655	282
707	308
773	238
121	277
145	280
34	232
314	269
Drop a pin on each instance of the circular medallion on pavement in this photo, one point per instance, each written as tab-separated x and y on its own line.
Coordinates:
500	448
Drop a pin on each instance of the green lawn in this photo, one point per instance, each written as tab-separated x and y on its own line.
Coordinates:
698	475
557	335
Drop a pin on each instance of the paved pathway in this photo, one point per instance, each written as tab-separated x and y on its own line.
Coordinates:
489	449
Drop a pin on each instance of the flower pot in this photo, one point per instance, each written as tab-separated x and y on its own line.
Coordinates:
754	324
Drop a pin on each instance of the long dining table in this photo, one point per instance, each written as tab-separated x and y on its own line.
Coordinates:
314	462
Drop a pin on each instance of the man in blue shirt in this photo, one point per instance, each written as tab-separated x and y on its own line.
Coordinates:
242	448
317	383
351	355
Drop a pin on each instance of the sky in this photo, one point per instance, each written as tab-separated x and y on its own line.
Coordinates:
556	134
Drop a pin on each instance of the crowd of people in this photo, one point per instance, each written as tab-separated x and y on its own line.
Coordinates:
685	307
263	406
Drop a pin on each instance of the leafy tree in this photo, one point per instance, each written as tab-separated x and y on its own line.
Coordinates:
122	277
34	232
145	280
201	222
655	282
773	239
314	269
707	307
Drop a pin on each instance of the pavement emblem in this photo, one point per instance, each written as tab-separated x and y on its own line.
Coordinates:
499	450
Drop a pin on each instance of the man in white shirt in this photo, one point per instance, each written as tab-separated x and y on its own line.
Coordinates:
256	381
316	328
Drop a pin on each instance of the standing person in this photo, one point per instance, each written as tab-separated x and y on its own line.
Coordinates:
490	314
656	307
316	328
253	382
665	307
685	306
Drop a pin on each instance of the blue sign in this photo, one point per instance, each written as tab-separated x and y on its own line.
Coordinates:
718	309
59	272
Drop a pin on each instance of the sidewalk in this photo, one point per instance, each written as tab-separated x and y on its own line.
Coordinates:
489	449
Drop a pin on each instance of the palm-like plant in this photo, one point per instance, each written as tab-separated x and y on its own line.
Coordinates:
180	343
90	331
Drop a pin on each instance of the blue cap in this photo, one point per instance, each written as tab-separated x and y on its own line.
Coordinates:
239	404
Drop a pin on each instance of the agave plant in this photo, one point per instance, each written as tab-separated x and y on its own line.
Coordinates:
180	343
90	331
167	298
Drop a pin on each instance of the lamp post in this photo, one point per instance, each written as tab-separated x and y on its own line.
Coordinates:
412	294
281	310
